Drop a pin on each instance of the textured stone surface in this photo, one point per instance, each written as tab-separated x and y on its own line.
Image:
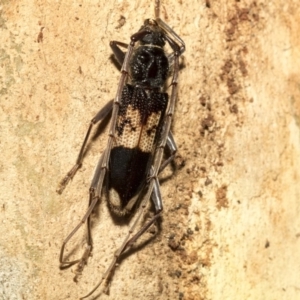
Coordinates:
231	227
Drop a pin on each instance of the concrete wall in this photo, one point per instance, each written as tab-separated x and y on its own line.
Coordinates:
230	227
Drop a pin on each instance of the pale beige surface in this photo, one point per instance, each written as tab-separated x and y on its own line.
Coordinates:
233	210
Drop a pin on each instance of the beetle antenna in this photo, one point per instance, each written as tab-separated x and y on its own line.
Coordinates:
157	9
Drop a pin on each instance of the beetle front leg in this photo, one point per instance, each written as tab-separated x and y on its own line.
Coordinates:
118	53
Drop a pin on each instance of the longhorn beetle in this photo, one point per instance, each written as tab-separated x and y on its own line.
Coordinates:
139	132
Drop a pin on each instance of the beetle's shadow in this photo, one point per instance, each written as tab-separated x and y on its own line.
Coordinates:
68	255
140	245
146	238
124	220
141	242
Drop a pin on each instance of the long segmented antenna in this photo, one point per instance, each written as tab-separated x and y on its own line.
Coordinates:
157	9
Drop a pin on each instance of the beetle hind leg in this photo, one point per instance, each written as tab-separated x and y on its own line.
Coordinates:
95	194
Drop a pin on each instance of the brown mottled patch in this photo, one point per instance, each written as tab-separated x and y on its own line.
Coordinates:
233	26
188	258
208	181
227	67
205	102
243	14
173	244
192	258
179	161
232	86
243	68
121	22
234	109
40	36
221	197
207	122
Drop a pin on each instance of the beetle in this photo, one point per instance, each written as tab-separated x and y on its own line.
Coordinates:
139	132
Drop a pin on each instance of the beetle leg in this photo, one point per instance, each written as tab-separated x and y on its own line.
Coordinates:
119	54
104	112
171	145
95	194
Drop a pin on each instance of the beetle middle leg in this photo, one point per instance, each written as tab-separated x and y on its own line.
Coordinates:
104	112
